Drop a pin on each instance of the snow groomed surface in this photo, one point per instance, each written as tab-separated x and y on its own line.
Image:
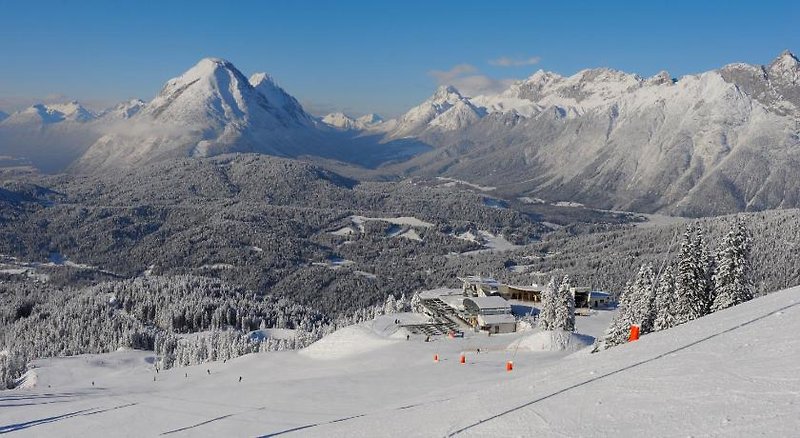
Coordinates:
733	373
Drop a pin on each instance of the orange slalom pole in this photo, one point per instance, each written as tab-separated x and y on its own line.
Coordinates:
463	359
509	365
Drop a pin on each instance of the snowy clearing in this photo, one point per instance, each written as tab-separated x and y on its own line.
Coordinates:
452	182
402	220
529	200
491	243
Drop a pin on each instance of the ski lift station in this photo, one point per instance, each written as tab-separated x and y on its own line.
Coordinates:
491	314
478	286
484	304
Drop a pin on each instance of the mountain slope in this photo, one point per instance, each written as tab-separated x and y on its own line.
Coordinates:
209	110
713	143
446	110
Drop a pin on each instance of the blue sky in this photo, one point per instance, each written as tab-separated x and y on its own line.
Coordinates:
364	56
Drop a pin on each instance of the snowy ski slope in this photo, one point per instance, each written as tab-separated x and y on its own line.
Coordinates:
733	373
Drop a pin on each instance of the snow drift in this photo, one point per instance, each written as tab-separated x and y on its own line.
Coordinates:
556	340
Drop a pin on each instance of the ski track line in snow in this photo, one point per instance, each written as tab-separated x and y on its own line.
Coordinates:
20	426
196	425
83	412
352	417
611	373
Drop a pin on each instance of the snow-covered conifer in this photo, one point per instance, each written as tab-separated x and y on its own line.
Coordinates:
664	305
391	305
547	312
733	278
565	307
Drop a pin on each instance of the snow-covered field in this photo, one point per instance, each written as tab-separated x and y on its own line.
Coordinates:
733	373
453	182
491	242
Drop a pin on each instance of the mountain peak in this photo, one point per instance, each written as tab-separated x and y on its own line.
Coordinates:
257	79
786	61
660	78
212	63
446	93
370	119
277	97
341	120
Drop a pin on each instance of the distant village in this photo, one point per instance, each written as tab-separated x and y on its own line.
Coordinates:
487	305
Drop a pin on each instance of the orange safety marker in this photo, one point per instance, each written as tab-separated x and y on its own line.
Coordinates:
436	358
509	365
463	359
634	336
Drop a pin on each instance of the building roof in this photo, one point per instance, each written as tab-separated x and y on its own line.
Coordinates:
492	302
454	301
477	279
533	288
504	318
599	294
439	293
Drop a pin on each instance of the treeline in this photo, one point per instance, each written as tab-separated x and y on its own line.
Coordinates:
697	283
185	320
39	321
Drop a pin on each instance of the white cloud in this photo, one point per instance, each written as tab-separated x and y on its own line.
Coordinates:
445	77
464	77
505	61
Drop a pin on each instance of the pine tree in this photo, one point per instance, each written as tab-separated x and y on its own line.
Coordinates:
733	277
391	305
416	303
706	264
634	307
664	306
547	312
619	328
689	283
564	307
641	301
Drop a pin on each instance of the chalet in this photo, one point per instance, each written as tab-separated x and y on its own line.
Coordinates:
590	299
531	293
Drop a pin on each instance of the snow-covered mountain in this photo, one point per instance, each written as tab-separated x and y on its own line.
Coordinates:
124	110
285	106
40	114
343	121
446	110
717	142
46	136
210	109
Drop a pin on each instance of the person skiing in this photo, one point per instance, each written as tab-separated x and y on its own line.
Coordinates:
240	379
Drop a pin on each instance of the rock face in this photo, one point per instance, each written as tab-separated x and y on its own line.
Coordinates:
714	143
